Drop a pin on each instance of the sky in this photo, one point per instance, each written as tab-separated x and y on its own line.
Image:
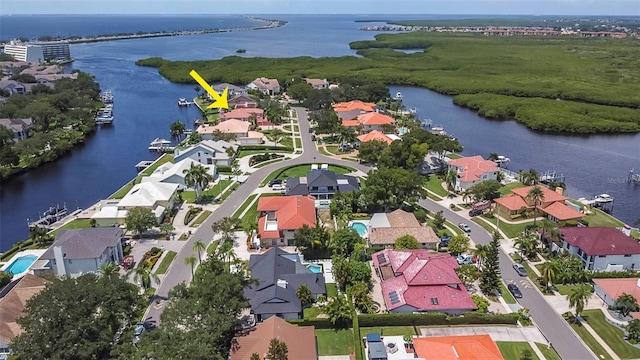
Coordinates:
479	7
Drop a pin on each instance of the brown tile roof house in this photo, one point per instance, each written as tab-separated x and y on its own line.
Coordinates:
384	229
12	303
553	205
300	340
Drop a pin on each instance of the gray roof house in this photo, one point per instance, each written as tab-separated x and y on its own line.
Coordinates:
279	274
19	127
79	251
207	152
233	89
321	184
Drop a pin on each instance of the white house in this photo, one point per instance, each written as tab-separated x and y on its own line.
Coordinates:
79	251
601	248
266	86
473	170
207	152
318	83
174	173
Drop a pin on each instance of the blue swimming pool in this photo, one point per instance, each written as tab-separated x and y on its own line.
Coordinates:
360	228
315	268
21	264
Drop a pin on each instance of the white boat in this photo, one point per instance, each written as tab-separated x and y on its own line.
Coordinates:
603	198
159	144
104	116
502	159
398	96
184	102
438	130
107	97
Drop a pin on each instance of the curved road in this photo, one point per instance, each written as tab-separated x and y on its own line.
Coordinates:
552	325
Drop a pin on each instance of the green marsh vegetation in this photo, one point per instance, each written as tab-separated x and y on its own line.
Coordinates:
554	84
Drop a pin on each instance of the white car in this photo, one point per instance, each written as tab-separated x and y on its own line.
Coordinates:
465	227
278	187
464	259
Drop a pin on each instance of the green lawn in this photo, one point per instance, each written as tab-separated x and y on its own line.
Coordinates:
77	224
201	218
230	191
512	350
311	312
565	289
334	342
434	184
506	295
611	334
213	246
244	205
120	193
590	341
600	218
332	290
214	191
165	158
454	156
507	188
388	330
548	353
166	261
298	143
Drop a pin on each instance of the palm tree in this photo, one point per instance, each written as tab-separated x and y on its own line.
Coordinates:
108	270
450	177
493	157
177	128
199	247
166	228
527	242
579	297
625	304
346	135
304	294
535	195
549	270
191	261
255	356
480	252
197	177
550	232
339	310
144	276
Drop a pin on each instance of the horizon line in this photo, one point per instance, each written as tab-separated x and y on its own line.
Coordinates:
328	14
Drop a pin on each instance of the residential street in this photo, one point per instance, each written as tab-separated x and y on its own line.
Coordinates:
556	330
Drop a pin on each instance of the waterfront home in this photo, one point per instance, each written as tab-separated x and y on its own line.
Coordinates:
170	173
12	87
553	206
385	228
244	114
322	185
208	152
242	101
318	84
235	127
13	299
472	170
420	281
156	196
278	275
601	248
281	216
458	347
79	251
19	127
609	290
370	121
352	109
265	86
300	340
233	90
379	136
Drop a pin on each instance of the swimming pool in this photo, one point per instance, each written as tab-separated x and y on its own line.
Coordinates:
402	130
315	268
21	264
360	228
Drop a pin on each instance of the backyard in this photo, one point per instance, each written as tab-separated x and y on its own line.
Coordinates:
334	342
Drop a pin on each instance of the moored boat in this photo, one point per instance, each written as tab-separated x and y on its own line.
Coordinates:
184	102
159	144
398	97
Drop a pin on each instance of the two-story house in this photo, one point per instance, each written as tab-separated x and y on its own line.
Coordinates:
322	185
318	84
266	86
352	109
244	114
207	152
472	170
281	216
601	248
371	121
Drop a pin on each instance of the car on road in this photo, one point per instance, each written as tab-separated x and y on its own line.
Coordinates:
475	212
464	259
465	227
513	289
520	269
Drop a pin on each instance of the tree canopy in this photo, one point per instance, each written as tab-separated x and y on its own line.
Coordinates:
407	242
140	219
389	188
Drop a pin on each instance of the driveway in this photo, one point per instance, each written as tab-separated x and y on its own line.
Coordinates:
497	333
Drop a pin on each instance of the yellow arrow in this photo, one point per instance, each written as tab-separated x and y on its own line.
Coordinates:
220	100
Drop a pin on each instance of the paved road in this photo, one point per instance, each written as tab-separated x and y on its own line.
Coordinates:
564	340
552	325
179	272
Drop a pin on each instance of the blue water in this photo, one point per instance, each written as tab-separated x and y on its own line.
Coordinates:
21	264
145	106
317	269
360	228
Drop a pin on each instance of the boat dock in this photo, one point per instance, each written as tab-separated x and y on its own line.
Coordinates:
634	178
142	165
49	218
159	144
184	102
551	176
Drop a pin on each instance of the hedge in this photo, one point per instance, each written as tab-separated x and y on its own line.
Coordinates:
265	147
318	323
223	168
614	274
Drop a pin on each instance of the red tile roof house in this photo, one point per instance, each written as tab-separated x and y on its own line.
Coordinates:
601	248
352	109
473	170
610	289
383	229
236	127
375	135
370	121
553	206
281	216
420	281
243	114
266	86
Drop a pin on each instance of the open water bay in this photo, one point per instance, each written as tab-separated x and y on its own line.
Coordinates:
145	106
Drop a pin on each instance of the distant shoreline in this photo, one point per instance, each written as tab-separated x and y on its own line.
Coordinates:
143	35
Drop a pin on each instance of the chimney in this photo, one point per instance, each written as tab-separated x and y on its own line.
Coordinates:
559	190
282	283
59	256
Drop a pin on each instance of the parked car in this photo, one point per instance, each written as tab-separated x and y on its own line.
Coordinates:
275	182
464	259
465	227
444	241
513	289
520	269
279	187
138	329
475	212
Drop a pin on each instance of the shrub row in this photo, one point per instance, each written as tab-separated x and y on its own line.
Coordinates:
223	168
191	214
614	274
265	147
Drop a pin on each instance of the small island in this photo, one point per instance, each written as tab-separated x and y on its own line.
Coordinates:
241	51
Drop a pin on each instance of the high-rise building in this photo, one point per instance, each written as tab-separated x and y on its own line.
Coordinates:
55	50
24	52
